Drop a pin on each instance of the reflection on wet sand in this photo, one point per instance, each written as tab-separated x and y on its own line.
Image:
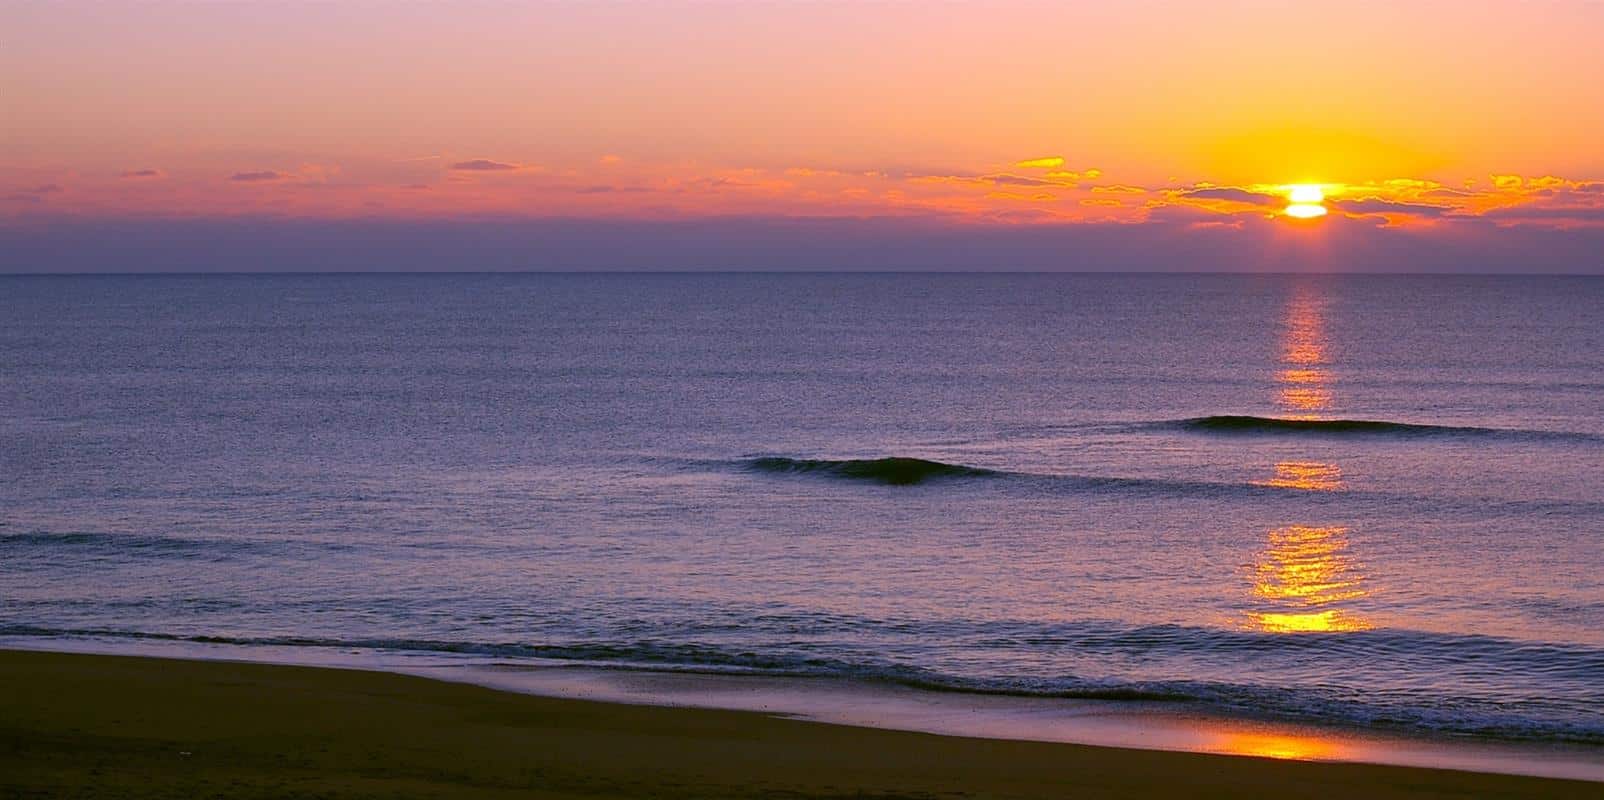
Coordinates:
1305	574
1279	746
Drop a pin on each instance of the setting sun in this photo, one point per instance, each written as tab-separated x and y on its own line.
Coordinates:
1306	193
974	398
1306	199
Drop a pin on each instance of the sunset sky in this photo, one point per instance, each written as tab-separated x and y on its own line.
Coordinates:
667	134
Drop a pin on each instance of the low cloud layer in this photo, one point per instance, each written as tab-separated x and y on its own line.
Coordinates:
1180	239
483	165
1113	222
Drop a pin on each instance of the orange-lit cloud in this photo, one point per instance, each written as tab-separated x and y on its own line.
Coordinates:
679	112
598	188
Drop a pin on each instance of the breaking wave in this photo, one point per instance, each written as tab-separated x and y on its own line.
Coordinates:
1562	674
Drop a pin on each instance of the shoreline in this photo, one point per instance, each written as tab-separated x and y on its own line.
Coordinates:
1148	725
759	704
1155	726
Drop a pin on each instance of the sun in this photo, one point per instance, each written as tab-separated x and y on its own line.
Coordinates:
1305	201
1306	193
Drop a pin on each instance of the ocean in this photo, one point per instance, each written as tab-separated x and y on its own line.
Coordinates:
1367	501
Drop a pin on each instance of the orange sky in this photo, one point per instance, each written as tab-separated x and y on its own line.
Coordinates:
1408	113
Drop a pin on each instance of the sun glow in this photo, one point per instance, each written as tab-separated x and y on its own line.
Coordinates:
1305	201
1305	210
1306	193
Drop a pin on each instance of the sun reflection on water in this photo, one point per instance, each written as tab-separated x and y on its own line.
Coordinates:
1303	571
1304	577
1303	379
1310	476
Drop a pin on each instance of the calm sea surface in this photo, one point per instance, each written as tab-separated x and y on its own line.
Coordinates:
1371	500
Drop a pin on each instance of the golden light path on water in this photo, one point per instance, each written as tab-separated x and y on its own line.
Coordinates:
1310	476
1303	377
1307	569
1305	574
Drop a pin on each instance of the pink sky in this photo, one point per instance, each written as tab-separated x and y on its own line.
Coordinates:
1456	119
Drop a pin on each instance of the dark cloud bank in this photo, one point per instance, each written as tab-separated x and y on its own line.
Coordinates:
281	245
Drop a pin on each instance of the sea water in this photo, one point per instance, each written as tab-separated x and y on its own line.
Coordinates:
1372	501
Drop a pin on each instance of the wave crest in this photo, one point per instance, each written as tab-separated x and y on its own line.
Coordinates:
892	471
1246	423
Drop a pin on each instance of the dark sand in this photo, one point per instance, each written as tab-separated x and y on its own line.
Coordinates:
112	726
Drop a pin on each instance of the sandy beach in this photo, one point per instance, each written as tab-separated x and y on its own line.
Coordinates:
723	399
111	726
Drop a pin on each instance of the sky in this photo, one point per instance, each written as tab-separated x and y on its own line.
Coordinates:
670	134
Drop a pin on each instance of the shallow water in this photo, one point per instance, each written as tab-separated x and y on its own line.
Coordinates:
1373	501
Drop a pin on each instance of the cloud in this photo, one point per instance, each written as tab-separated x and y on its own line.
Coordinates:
1034	197
941	177
1553	215
1053	179
1557	187
483	165
1018	180
1188	239
1065	175
257	177
1376	205
604	189
34	194
1181	213
1040	163
1447	192
317	173
697	184
141	173
1232	194
1235	225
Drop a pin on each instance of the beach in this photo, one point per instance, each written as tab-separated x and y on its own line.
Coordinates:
689	399
1206	517
74	725
1256	497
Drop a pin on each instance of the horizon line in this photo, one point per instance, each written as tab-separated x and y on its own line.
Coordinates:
718	271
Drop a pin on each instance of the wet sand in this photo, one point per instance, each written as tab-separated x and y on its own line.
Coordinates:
76	725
